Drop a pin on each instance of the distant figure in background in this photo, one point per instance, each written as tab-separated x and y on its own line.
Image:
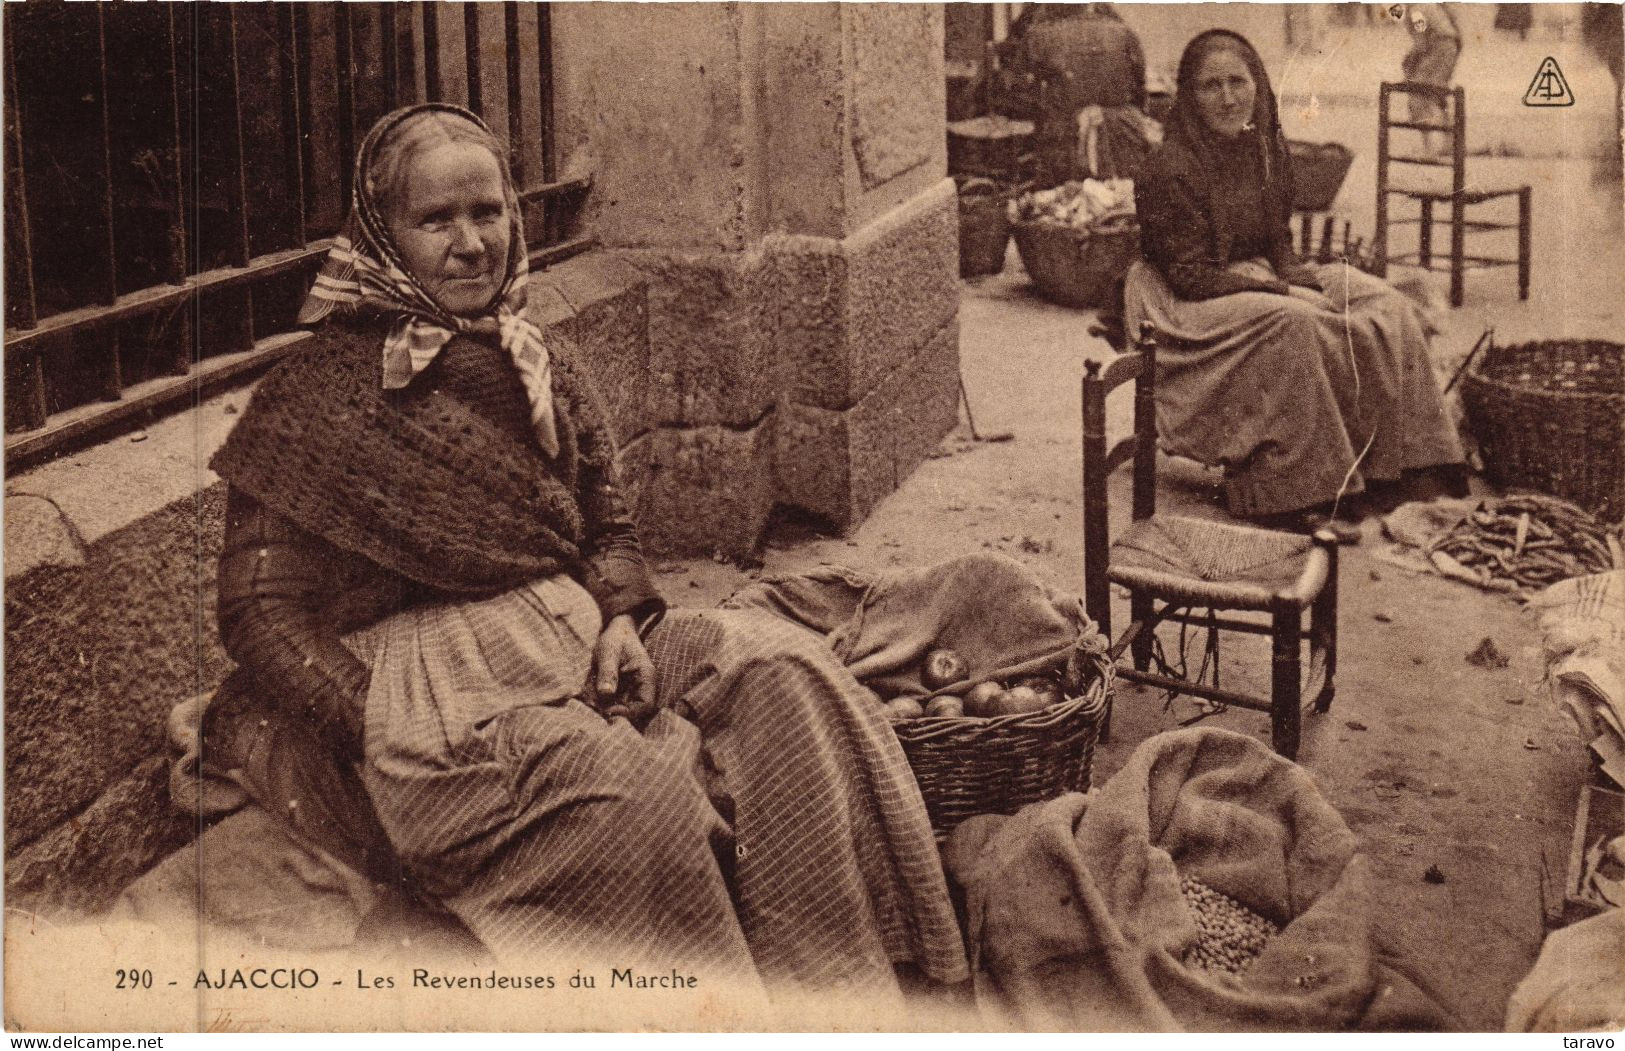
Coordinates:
1515	18
1090	114
1435	47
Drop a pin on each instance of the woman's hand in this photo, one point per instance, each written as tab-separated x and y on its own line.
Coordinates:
622	673
1312	297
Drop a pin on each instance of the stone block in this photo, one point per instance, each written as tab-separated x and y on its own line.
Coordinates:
839	464
82	865
39	534
897	88
657	101
852	308
711	323
602	305
708	489
96	655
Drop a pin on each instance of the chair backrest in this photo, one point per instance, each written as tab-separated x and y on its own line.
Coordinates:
1452	105
1138	365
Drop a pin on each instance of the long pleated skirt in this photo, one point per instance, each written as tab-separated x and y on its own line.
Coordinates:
1296	403
764	827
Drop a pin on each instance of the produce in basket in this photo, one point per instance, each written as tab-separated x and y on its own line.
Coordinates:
979	701
943	667
1032	693
1080	205
902	709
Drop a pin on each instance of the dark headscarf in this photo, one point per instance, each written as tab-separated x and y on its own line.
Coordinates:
1187	129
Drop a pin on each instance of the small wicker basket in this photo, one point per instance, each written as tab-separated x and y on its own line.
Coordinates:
1077	268
989	145
1550	416
984	232
967	766
1318	171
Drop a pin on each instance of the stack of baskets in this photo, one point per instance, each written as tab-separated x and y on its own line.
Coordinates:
967	766
1550	416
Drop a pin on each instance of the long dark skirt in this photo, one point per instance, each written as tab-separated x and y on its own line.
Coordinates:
1296	403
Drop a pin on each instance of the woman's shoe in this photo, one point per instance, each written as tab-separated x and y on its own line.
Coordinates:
1345	532
1433	483
1310	521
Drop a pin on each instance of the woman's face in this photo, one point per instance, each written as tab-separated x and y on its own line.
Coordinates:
1225	93
451	225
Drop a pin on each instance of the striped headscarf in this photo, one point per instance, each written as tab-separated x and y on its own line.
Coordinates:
363	274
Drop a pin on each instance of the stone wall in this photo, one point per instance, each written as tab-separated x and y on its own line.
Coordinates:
775	173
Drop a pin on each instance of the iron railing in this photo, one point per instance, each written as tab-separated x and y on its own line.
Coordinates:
174	173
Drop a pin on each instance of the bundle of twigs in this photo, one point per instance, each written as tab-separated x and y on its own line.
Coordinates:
1524	541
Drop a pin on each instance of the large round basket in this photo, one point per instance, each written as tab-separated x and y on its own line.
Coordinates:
1318	171
1550	416
984	233
967	766
1077	268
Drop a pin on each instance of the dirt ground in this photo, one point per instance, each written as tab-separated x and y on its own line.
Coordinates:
1435	763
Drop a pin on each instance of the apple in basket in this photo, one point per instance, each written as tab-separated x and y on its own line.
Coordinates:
942	668
1018	700
902	709
1048	690
981	699
948	707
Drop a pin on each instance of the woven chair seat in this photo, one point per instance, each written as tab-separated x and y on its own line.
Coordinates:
1201	562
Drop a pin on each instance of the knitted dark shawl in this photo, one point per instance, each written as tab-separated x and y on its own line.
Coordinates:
414	480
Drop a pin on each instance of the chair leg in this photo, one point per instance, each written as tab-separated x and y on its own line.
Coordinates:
1524	223
1323	633
1285	680
1458	249
1140	613
1424	243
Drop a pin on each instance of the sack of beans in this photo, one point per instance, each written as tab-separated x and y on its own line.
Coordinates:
1208	885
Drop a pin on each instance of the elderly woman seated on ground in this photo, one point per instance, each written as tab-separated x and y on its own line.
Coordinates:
1309	386
438	606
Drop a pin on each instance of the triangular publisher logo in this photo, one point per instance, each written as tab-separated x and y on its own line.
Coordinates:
1548	88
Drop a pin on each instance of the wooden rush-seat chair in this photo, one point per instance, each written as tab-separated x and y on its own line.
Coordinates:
1173	565
1458	198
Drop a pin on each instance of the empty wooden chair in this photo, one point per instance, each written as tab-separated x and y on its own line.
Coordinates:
1460	201
1175	565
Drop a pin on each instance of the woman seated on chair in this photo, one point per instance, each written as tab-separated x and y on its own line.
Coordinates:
1305	384
429	569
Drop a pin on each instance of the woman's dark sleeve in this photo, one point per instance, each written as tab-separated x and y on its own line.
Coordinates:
274	579
1176	237
617	574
